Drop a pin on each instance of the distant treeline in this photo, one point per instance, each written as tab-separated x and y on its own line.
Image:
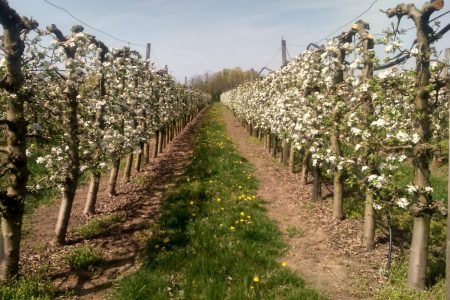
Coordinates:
222	81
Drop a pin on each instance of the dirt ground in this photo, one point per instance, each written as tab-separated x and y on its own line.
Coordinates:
328	254
137	201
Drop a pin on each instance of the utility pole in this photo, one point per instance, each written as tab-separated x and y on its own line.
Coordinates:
283	52
167	69
147	53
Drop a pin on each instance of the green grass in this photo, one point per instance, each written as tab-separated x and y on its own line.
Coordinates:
27	288
84	258
397	289
96	227
213	239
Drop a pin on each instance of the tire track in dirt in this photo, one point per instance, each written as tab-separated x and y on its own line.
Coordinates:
326	253
138	201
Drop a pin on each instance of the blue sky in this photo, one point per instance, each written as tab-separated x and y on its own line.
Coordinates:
197	36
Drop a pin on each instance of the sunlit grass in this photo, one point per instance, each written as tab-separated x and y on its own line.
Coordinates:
213	239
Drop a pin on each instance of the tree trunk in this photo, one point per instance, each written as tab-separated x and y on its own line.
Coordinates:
147	152
369	221
156	145
128	166
286	149
113	177
315	193
305	168
62	224
92	193
338	203
11	224
167	132
338	189
161	140
14	162
292	159
138	161
419	253
274	146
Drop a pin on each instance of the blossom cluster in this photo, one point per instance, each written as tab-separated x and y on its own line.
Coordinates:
303	104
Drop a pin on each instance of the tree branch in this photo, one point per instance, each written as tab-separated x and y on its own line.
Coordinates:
59	35
439	34
397	148
393	63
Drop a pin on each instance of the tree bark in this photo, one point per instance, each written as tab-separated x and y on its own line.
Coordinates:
274	145
292	159
138	161
424	33
161	140
65	209
11	224
338	188
113	177
128	166
147	152
156	144
286	148
316	187
92	193
369	221
73	170
419	253
15	162
367	73
305	168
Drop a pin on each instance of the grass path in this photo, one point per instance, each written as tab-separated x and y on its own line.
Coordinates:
213	239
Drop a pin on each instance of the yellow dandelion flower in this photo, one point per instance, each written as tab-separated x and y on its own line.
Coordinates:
232	228
256	279
242	213
192	202
284	264
218	200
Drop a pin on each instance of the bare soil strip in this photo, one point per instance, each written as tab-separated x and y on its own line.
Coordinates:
328	254
138	201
